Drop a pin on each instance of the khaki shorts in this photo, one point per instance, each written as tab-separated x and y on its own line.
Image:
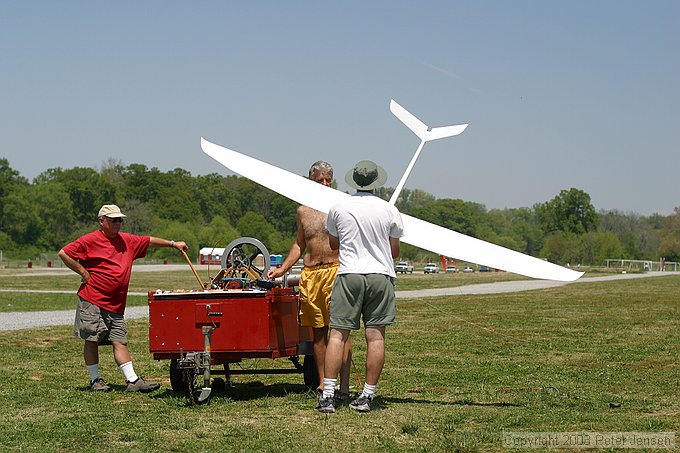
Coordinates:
316	283
367	295
96	324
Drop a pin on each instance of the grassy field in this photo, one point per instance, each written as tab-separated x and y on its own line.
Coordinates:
459	373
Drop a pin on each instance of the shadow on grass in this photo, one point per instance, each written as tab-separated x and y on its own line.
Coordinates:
245	391
249	391
384	402
115	388
256	390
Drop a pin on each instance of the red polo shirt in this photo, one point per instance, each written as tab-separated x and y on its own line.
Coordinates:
109	262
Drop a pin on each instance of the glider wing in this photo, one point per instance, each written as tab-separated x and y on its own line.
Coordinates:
456	245
417	232
296	187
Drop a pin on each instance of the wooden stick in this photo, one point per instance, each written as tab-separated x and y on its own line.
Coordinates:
192	268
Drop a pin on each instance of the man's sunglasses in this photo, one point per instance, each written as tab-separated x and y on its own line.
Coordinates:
115	219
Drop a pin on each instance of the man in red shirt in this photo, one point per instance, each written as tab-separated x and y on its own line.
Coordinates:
104	259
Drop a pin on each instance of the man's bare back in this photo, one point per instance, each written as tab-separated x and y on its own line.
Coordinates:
313	226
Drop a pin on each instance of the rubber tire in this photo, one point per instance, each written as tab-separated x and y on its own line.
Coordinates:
176	381
311	375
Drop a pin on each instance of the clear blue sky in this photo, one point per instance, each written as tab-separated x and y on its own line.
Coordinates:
581	94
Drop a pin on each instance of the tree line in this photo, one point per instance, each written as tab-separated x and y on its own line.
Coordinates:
42	215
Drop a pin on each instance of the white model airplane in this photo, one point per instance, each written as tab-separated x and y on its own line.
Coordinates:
416	232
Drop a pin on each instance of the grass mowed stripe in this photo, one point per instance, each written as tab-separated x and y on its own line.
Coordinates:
460	372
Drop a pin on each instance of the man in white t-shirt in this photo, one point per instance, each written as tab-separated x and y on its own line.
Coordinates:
366	230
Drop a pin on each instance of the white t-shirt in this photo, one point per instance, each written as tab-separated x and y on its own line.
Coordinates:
364	223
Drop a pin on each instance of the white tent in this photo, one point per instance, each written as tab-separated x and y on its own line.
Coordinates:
210	255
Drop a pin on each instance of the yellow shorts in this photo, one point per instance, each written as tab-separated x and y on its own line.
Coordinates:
316	283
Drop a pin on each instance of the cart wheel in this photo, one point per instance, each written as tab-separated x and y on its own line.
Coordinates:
176	380
310	372
239	257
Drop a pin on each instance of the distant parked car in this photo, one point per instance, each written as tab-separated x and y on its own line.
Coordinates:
485	269
431	268
451	269
403	267
468	269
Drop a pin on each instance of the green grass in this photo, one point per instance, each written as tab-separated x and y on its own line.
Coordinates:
454	380
418	280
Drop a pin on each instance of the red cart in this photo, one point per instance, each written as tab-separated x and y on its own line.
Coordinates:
200	329
237	316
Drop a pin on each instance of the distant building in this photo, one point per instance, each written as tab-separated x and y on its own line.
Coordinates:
211	255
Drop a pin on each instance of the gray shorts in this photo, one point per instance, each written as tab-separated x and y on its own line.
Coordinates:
96	324
367	295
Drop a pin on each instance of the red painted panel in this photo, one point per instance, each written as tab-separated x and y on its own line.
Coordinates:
251	324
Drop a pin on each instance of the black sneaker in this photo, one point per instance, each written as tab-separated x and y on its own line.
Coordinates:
140	385
362	404
99	385
326	405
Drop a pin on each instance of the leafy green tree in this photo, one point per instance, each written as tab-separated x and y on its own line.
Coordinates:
10	180
637	234
177	197
9	177
140	217
569	212
252	196
412	253
596	247
669	246
6	242
56	212
562	248
254	225
524	223
408	199
383	192
111	172
141	183
180	231
217	199
283	215
457	215
218	233
21	215
87	189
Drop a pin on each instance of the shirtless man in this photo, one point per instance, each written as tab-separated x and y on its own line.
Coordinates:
317	278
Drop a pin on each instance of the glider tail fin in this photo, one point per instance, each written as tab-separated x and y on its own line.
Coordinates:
424	133
446	131
419	128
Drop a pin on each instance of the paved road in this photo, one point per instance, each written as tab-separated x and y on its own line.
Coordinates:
26	320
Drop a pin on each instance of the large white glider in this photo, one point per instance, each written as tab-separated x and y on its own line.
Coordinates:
416	232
